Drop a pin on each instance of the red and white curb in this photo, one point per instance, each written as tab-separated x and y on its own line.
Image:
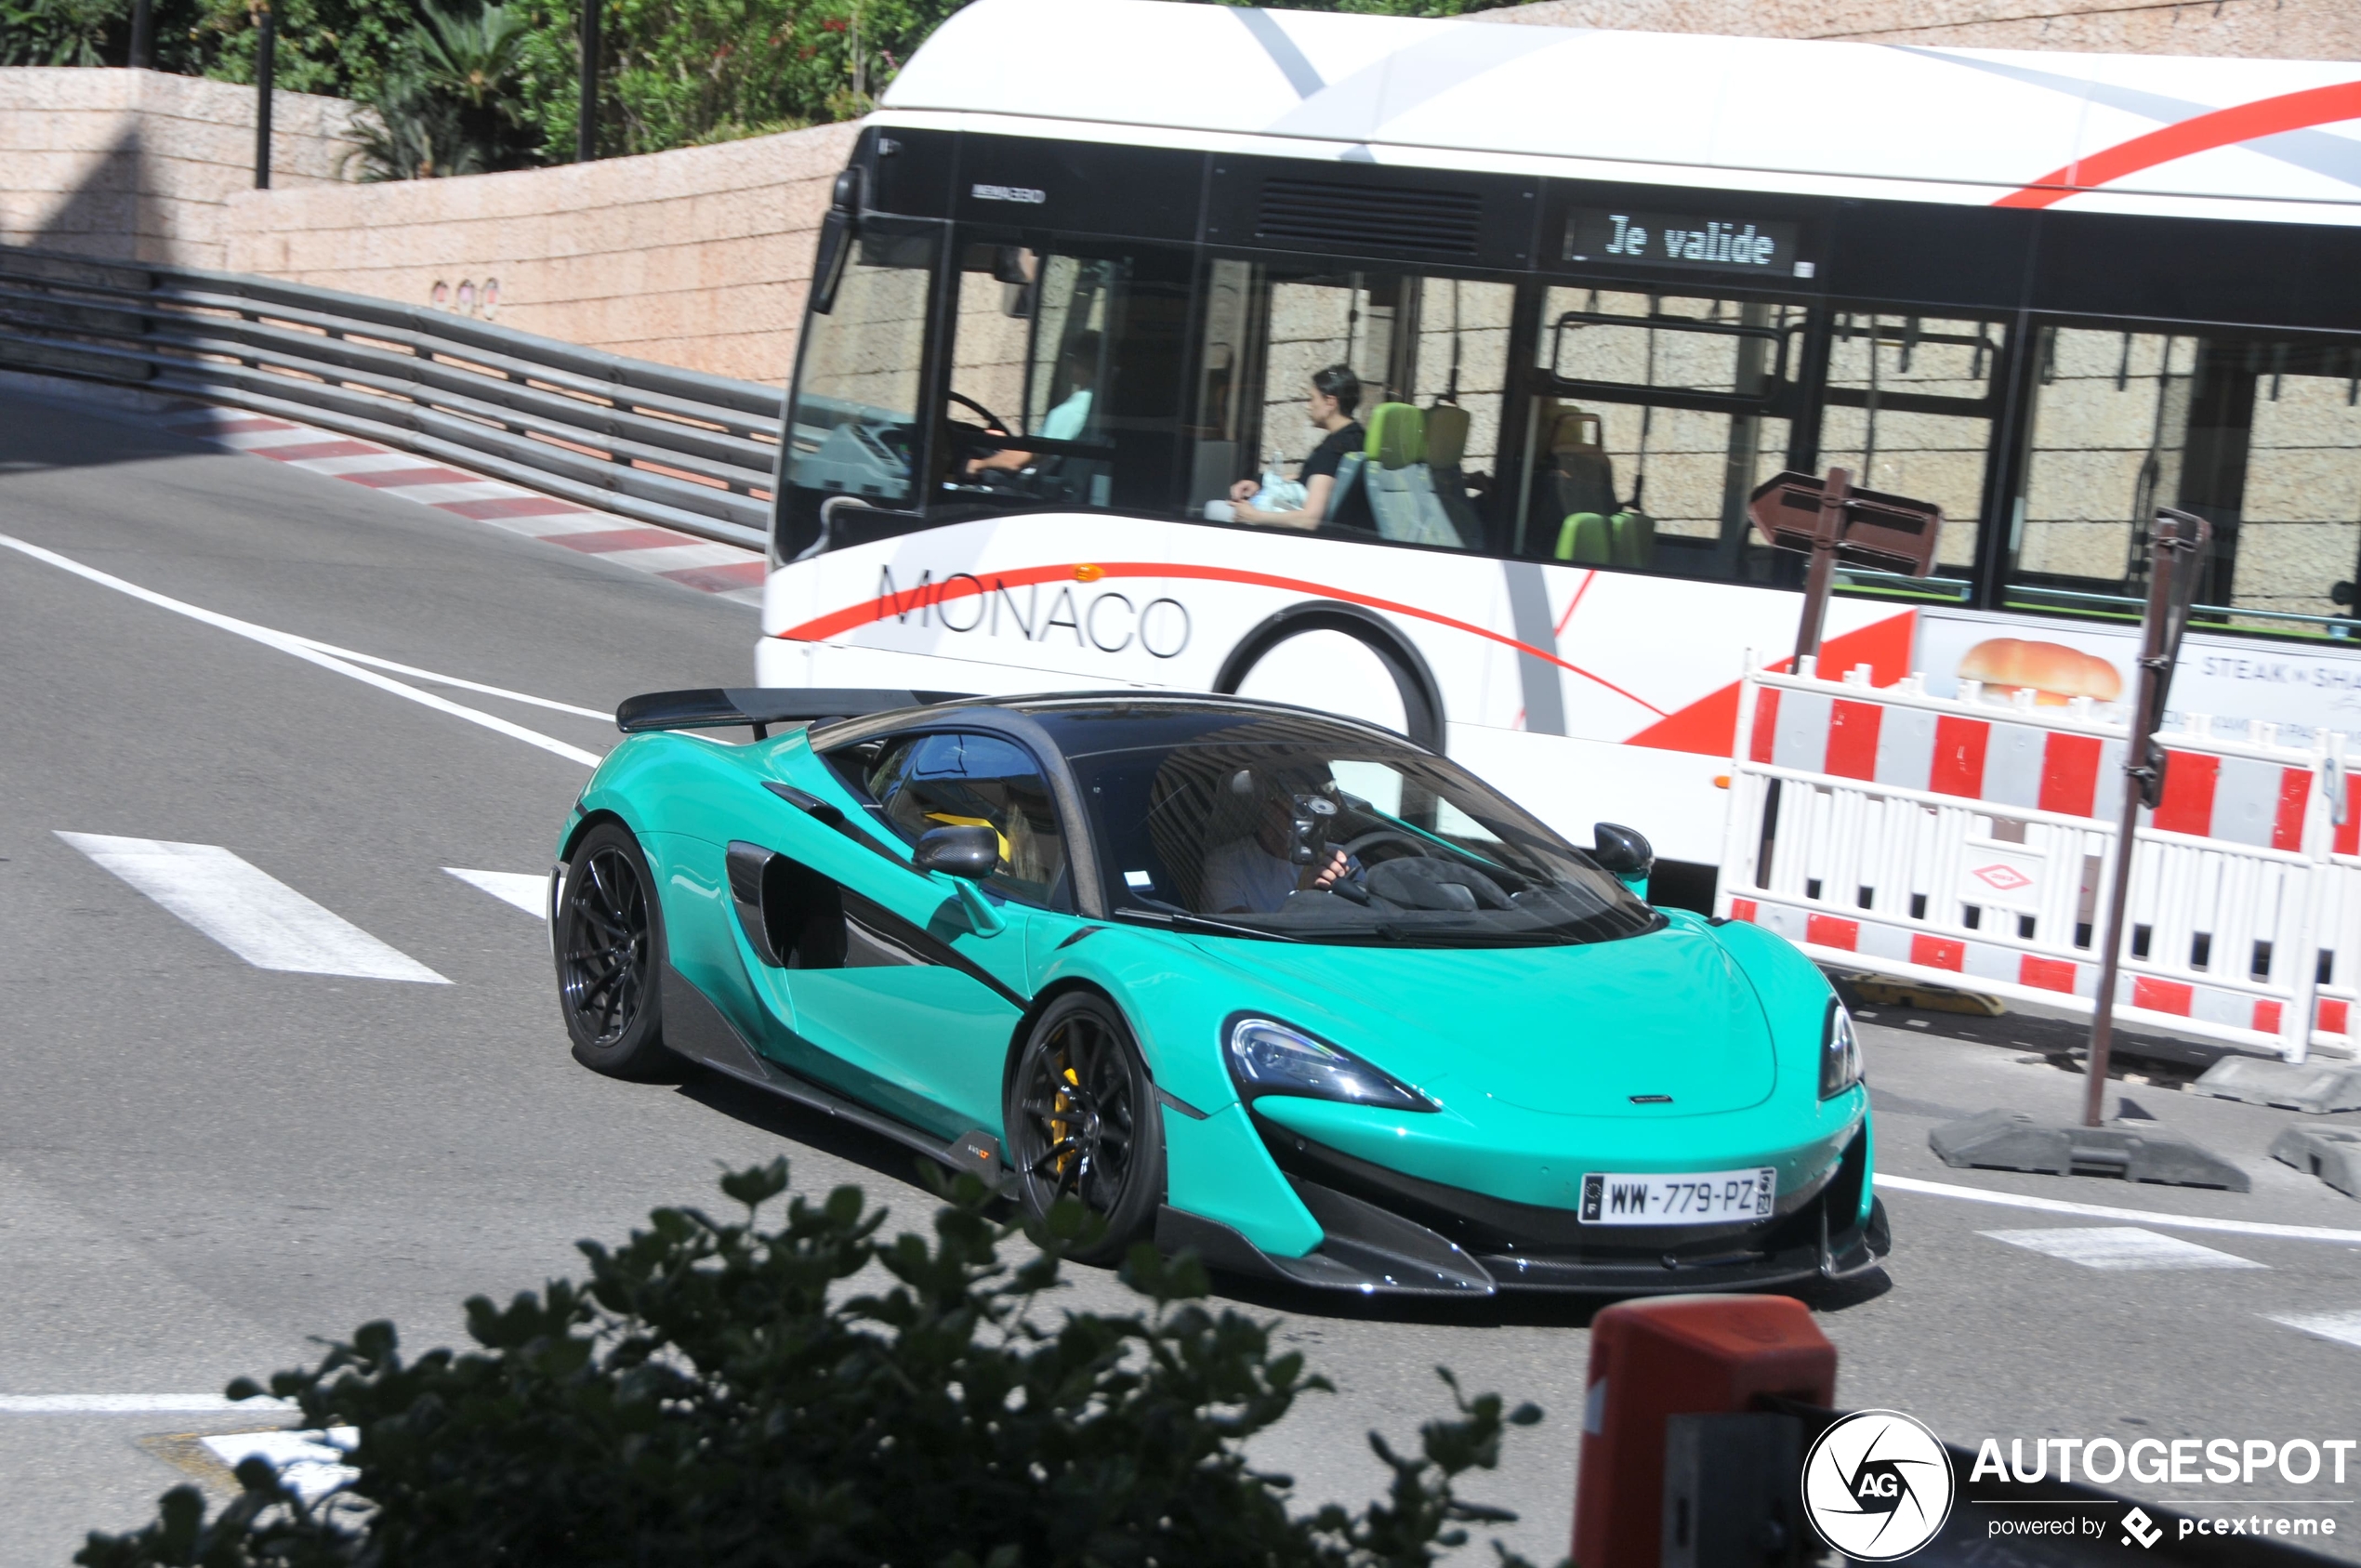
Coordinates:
725	569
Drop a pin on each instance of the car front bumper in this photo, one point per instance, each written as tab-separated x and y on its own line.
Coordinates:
1387	1233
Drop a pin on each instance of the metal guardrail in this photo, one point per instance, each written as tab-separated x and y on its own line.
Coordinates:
672	447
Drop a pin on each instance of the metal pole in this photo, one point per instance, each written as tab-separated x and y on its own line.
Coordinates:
1835	492
143	51
265	69
586	132
2171	583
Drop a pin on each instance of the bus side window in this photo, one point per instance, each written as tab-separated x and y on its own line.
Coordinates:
2260	436
1429	361
1620	475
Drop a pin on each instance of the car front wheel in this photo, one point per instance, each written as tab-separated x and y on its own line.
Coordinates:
1083	1123
610	949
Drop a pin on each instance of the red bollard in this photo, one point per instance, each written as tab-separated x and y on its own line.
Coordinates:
1677	1355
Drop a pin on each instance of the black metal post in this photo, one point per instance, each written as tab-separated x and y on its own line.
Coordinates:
2177	546
266	68
143	27
1835	491
586	133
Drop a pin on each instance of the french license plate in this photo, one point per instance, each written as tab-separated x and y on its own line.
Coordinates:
1704	1197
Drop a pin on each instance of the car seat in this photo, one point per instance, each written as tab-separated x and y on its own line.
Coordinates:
1401	494
1446	436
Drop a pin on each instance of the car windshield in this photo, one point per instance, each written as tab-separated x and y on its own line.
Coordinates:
1295	828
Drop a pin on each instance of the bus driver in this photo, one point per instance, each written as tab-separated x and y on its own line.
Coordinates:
1335	394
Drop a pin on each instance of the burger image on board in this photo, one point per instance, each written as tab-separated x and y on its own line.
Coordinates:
2053	672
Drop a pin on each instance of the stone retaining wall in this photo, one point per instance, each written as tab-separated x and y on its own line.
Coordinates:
695	257
137	166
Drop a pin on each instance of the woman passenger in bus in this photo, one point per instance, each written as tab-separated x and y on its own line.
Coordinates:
1079	365
1335	392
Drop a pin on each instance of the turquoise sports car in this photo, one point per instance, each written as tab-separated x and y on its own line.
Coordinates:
1277	986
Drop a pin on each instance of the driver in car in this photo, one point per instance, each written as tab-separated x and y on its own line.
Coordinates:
1254	875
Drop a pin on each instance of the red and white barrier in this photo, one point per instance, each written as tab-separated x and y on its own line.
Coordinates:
1963	842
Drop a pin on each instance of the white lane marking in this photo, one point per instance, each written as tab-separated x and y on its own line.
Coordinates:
412	670
249	911
2121	1246
2105	1211
302	647
310	1463
523	889
2342	1327
133	1404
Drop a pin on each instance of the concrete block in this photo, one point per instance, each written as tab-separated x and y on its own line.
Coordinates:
2332	1153
2313	1087
2004	1139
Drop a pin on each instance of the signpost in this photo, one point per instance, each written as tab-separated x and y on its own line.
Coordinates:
1830	521
2177	542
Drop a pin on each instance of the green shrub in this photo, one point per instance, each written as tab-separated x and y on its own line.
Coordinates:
717	1393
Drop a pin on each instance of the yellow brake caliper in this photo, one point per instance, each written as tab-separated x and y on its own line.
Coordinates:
1058	1125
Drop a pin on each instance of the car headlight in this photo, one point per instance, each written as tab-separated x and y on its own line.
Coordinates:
1840	1052
1268	1058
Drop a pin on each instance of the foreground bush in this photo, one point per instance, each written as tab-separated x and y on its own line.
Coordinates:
716	1394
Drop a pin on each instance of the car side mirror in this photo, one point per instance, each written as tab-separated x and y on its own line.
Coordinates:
1623	853
969	851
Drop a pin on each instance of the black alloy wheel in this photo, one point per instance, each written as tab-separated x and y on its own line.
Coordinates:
1083	1123
610	945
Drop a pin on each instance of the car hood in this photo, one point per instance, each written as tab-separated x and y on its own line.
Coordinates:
1576	1031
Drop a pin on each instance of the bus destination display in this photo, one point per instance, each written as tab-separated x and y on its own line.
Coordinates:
1656	239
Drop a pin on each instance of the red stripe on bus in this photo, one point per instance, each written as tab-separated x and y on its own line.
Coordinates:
1852	740
2295	793
2201	133
874	609
2163	995
2049	974
2187	806
1958	756
2070	774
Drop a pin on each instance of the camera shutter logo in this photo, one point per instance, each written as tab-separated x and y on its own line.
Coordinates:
1878	1485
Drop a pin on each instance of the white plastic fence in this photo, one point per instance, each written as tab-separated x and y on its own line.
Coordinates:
1968	843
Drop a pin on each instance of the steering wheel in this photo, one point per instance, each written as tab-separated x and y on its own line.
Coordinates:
1360	846
989	417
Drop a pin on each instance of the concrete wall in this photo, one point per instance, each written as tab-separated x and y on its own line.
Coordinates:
695	257
2260	28
137	166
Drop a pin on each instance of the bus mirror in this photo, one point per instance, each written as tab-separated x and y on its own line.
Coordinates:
827	265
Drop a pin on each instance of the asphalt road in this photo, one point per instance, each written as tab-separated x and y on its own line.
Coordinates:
204	1165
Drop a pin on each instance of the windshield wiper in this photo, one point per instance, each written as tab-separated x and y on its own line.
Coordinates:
1181	919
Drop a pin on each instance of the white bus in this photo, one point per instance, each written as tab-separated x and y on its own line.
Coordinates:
1591	288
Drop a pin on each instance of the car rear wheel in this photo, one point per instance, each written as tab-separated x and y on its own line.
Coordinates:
610	950
1083	1123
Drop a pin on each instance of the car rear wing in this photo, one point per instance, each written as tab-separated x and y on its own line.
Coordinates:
721	707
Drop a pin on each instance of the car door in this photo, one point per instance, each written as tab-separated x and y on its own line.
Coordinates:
893	978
